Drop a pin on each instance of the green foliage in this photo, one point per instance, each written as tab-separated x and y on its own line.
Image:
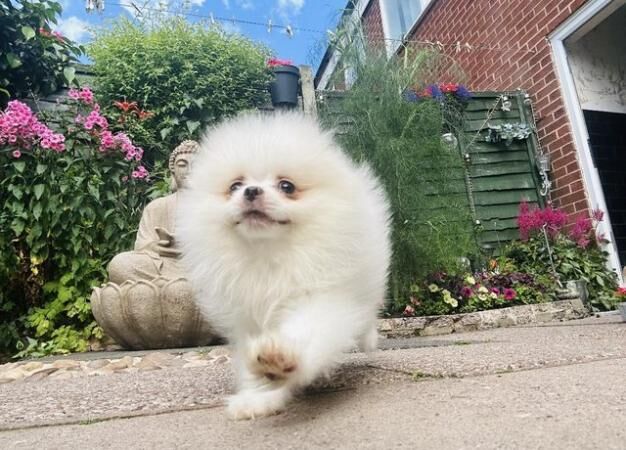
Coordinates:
186	75
33	60
63	215
571	262
401	140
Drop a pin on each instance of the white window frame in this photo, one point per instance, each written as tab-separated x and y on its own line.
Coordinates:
587	14
392	44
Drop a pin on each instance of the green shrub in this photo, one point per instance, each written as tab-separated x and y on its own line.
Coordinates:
33	60
186	75
381	121
70	199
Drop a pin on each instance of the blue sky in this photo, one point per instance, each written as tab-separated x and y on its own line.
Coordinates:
303	47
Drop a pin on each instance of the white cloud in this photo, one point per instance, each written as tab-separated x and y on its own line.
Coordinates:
226	4
73	28
245	4
290	6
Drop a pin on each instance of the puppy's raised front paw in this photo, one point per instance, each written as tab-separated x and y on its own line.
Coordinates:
254	405
272	360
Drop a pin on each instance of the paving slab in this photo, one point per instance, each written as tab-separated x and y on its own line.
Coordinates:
580	406
84	398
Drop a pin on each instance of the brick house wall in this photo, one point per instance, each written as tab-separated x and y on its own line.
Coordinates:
373	24
511	51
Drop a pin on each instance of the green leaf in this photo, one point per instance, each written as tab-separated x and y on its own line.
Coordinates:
13	60
18	227
192	126
41	168
19	166
69	73
37	209
28	32
38	189
165	132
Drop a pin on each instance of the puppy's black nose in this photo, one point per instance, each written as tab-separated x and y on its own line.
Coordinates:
252	192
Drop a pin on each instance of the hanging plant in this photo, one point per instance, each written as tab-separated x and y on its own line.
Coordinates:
508	132
284	89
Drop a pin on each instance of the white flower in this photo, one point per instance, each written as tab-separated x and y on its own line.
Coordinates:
470	280
433	287
483	290
447	298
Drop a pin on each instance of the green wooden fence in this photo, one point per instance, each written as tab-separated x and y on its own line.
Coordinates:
500	175
497	176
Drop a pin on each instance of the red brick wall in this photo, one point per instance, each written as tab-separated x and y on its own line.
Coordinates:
511	51
373	25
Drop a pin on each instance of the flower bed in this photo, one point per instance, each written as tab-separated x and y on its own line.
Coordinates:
72	187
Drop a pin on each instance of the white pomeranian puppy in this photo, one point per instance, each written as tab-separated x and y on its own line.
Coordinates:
286	242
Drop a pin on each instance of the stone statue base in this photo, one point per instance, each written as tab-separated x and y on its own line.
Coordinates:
154	314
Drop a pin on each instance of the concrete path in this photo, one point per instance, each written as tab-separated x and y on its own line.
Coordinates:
556	386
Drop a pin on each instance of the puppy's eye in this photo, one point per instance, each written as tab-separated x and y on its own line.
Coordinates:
286	186
235	186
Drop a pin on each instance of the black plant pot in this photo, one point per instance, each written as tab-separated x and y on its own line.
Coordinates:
284	88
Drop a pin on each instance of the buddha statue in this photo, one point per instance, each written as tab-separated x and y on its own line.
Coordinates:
148	302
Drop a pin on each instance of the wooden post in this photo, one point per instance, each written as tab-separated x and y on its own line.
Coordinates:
308	91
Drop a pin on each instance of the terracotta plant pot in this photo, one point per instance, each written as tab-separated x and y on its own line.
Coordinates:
285	87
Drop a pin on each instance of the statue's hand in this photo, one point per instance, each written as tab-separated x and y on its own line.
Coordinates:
165	236
165	245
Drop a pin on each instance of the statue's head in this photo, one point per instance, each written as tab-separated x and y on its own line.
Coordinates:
180	163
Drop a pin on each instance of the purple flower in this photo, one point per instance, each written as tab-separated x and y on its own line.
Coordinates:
435	92
410	95
510	294
466	291
462	93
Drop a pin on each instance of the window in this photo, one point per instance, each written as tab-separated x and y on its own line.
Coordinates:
399	16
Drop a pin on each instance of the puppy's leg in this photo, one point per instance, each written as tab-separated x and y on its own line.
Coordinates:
264	364
369	340
320	328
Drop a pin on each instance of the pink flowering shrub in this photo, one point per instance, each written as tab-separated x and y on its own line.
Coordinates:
573	250
71	194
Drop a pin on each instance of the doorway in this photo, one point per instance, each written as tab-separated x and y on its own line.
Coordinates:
590	54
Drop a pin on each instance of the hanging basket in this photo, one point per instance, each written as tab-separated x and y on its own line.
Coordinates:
284	89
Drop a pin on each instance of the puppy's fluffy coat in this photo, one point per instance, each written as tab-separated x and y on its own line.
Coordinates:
286	241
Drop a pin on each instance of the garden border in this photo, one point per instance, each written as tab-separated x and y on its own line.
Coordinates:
405	327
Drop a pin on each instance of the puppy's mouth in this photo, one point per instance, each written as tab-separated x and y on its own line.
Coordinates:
258	217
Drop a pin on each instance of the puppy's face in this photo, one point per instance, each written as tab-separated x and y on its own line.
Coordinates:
263	207
261	178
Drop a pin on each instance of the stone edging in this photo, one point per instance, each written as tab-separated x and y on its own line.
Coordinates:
29	371
482	320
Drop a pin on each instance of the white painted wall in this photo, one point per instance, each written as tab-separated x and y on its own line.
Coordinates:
598	65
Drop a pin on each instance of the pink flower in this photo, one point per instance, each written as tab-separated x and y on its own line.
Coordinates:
597	215
16	154
84	95
621	292
140	172
408	311
510	294
466	291
533	220
415	301
273	62
495	291
19	126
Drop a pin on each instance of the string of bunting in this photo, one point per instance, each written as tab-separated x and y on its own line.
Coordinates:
269	25
290	30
